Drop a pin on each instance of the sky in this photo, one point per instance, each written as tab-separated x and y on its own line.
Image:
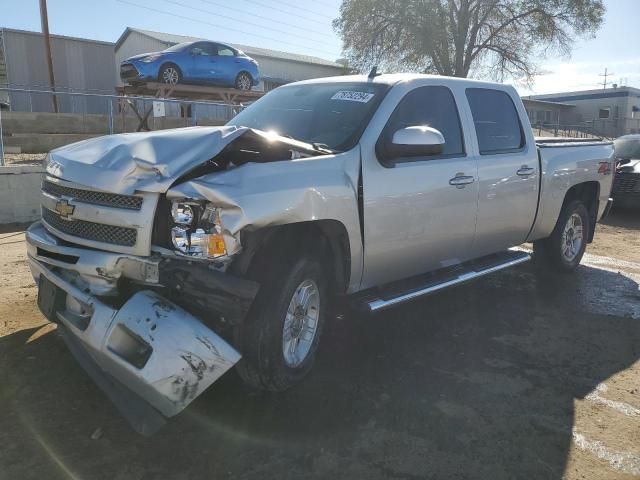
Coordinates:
304	26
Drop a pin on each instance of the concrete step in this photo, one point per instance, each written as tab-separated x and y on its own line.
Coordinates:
42	142
27	122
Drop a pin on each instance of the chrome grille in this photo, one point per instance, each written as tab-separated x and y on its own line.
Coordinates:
97	232
130	202
626	183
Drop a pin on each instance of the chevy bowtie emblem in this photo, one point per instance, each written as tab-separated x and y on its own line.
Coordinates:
64	209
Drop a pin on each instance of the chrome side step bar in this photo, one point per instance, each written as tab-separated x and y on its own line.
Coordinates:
466	272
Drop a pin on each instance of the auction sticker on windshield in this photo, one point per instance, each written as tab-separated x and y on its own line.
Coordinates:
348	95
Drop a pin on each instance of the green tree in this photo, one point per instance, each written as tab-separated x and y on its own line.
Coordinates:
494	38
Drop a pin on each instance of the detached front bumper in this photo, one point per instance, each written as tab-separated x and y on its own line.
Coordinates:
150	356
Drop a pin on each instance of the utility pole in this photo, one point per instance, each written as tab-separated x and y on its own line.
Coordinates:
606	74
44	20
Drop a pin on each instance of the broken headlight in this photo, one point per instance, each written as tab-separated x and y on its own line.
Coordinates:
197	230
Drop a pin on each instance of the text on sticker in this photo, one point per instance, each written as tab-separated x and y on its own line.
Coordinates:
362	97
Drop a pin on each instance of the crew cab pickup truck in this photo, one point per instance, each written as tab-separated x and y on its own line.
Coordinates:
168	257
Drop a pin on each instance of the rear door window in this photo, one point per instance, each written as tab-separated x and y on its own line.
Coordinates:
496	119
432	106
224	51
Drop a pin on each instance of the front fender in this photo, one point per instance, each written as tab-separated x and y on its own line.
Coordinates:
258	195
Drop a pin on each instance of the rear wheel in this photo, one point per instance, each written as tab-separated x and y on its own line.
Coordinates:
170	74
564	248
281	333
244	81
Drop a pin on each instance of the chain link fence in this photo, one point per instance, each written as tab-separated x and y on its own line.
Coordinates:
29	128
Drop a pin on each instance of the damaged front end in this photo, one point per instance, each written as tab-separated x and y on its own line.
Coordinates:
137	279
150	356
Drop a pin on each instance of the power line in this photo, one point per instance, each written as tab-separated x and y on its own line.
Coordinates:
267	18
328	4
293	5
282	10
257	25
224	27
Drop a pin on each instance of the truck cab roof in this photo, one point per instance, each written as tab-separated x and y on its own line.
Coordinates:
396	78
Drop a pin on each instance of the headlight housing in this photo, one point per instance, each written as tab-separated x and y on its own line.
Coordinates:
197	230
150	58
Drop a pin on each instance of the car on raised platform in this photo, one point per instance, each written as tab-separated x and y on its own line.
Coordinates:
167	257
201	62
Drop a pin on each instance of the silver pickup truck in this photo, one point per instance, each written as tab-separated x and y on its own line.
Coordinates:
167	257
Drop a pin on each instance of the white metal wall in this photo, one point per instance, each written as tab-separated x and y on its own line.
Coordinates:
79	65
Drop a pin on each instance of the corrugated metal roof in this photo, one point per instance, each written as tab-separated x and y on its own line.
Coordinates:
170	38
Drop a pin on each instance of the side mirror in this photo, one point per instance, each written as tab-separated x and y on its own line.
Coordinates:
416	141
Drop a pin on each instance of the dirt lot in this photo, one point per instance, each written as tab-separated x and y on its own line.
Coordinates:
518	375
24	158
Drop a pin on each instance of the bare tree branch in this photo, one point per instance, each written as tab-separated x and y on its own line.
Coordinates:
454	37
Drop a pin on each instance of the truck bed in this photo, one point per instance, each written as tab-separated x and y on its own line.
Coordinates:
568	141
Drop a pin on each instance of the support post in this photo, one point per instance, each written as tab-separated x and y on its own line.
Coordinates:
111	116
1	142
44	20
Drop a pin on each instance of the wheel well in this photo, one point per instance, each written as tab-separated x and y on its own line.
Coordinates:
588	193
244	71
326	238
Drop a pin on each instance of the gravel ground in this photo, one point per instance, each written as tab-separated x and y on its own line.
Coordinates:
522	374
24	158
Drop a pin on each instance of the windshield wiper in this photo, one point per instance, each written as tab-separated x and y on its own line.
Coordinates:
322	147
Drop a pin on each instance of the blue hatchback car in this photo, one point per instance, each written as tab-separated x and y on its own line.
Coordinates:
193	62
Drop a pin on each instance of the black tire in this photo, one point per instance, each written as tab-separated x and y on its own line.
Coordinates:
549	252
263	366
244	81
167	71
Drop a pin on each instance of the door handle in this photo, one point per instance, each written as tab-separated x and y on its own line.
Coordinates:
460	180
525	171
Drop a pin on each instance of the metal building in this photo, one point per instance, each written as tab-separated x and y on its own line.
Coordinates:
612	112
276	67
80	65
545	114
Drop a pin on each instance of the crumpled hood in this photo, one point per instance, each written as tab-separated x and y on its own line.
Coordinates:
145	161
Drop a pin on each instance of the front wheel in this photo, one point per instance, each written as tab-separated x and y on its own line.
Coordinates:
244	81
281	333
564	248
170	74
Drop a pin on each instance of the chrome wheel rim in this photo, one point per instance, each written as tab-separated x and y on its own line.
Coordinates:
572	237
301	323
244	82
170	75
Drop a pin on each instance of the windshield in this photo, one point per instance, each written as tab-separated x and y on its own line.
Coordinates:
331	114
178	47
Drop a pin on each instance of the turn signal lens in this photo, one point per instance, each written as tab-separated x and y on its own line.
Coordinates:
215	245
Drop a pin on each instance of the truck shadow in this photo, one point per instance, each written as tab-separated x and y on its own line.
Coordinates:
476	382
624	217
